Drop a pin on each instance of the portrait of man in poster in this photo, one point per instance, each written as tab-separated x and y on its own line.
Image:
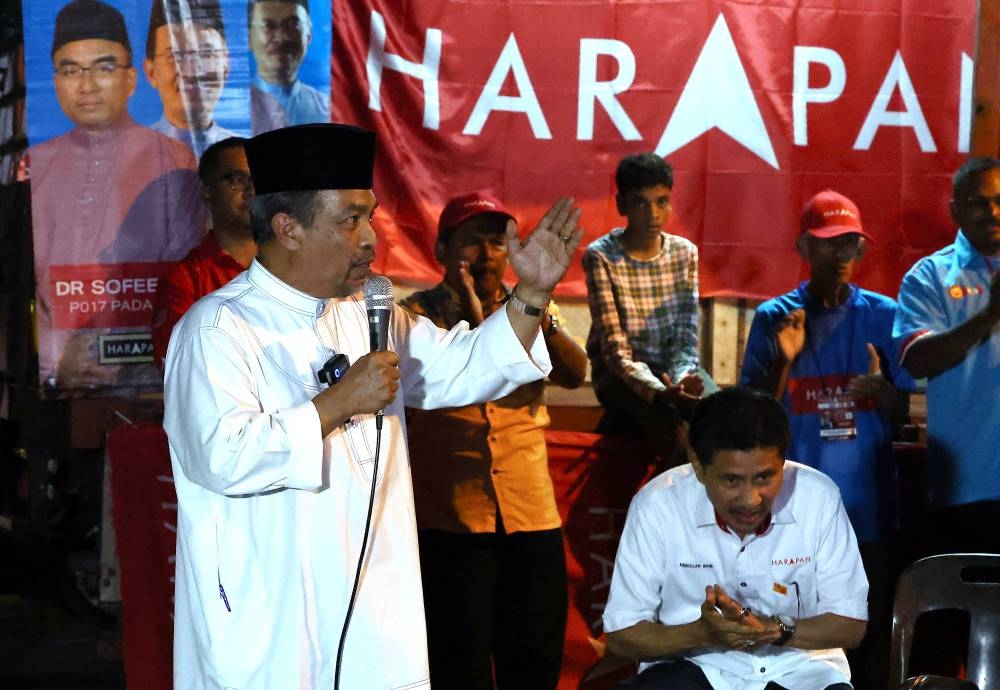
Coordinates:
280	34
188	62
111	201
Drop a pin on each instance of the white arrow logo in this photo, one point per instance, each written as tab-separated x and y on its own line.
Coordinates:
718	94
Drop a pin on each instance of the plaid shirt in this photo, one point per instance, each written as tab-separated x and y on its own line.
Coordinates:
644	314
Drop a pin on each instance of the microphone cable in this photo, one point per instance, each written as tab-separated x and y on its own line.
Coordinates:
378	307
361	556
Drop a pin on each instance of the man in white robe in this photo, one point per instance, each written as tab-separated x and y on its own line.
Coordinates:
273	469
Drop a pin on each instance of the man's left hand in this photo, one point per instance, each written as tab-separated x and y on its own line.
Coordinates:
733	626
692	384
541	259
873	384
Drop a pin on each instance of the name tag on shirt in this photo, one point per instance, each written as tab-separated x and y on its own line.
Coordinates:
835	409
827	398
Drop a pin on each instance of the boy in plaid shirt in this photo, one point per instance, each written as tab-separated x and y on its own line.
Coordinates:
642	286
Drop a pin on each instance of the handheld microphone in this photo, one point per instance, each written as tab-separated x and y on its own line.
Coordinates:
378	304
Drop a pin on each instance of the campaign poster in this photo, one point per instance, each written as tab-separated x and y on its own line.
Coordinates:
123	96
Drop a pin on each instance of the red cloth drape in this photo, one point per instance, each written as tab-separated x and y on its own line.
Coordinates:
144	511
744	97
595	478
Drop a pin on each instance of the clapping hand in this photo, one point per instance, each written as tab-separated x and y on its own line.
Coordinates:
791	334
684	395
692	384
870	384
472	307
729	624
873	383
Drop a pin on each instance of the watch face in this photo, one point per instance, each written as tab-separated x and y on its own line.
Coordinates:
787	622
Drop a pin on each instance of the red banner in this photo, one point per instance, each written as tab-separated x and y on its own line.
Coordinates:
758	105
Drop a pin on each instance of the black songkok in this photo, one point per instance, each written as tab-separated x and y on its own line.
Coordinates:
205	13
311	158
81	20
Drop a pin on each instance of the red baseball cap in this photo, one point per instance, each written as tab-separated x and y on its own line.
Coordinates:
463	207
829	214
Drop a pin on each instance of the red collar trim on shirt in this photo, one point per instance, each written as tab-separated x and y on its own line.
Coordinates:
763	527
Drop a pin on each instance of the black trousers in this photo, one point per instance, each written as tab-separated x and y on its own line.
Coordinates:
869	661
495	604
681	674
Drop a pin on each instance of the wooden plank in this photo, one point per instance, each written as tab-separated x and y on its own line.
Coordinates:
986	110
726	351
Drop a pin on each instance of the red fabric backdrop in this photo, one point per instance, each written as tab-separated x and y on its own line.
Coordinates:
714	89
144	511
595	478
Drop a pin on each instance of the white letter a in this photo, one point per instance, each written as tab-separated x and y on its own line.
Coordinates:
510	61
718	94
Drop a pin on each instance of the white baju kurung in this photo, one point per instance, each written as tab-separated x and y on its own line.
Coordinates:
271	514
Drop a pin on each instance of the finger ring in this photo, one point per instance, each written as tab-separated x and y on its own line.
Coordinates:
565	238
744	612
748	644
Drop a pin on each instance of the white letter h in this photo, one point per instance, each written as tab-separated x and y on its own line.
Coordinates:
427	71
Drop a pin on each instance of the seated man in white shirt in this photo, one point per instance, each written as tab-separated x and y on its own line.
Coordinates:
740	570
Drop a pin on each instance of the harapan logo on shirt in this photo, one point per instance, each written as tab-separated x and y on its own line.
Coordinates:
793	560
807	393
960	291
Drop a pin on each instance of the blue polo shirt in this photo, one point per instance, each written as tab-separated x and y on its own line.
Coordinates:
860	461
940	292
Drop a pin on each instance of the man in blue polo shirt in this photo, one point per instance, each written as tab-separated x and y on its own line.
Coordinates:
826	351
946	330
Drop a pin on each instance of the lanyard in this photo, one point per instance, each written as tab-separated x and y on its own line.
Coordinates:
852	315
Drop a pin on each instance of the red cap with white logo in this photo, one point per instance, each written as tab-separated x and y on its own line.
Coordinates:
829	214
468	205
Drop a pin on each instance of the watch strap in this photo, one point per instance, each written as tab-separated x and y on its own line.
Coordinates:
786	631
525	307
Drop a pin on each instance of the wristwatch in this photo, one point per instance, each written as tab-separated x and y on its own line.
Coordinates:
786	624
525	307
